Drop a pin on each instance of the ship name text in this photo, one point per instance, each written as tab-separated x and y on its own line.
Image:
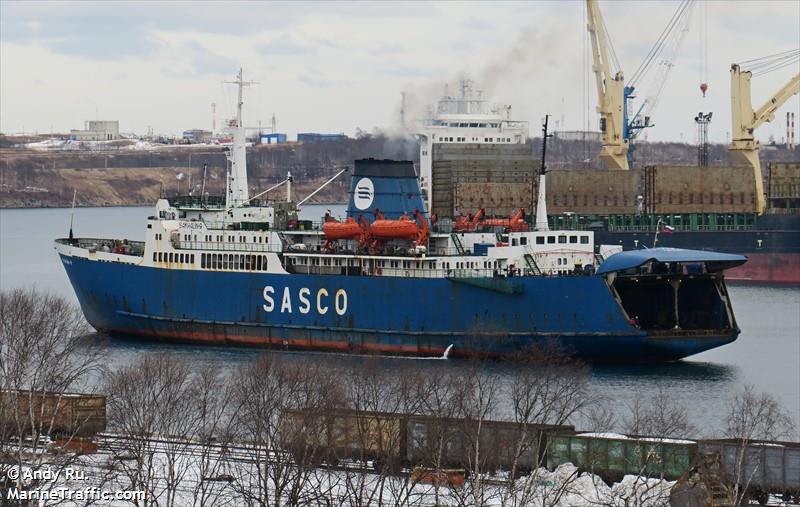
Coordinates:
322	301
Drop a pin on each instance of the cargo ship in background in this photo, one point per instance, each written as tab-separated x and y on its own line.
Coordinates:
476	159
236	271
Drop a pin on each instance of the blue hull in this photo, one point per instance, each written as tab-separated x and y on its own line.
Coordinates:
413	316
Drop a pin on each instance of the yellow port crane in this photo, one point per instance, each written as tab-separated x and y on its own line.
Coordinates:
619	124
744	147
610	91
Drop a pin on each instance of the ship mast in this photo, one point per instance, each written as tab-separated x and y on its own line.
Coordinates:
541	200
237	193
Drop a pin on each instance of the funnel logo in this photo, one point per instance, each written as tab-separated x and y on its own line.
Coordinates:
364	193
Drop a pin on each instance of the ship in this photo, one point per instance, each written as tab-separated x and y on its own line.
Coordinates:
475	158
235	270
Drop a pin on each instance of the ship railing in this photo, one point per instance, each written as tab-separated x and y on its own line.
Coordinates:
227	247
119	246
681	228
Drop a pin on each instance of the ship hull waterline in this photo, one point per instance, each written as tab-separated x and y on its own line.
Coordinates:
379	315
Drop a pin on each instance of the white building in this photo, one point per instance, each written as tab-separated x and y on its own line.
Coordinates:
97	131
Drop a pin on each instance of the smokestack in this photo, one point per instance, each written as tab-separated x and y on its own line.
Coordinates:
793	142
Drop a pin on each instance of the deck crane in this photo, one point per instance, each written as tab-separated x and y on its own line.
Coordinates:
618	127
744	147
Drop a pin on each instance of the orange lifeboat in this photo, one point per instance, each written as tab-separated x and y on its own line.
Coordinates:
334	230
383	230
351	228
402	228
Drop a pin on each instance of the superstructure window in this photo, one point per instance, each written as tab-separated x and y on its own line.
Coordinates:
551	240
540	240
562	239
584	240
154	256
573	239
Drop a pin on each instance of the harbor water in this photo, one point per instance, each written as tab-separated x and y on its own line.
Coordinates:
766	355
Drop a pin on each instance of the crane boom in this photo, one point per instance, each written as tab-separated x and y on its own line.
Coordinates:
610	93
744	147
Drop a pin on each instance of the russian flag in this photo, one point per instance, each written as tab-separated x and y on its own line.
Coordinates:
667	229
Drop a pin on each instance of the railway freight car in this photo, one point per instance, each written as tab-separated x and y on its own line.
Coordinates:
503	445
613	456
397	439
53	414
760	468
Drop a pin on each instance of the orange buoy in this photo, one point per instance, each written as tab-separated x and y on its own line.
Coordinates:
703	88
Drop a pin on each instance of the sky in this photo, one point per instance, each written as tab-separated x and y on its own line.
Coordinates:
341	66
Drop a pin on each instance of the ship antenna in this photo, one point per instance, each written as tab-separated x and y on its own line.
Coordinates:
72	215
541	201
203	186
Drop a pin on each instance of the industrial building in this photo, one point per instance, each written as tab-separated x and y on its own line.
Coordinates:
314	137
274	138
96	131
197	136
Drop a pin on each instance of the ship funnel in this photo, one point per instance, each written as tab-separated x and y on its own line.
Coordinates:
388	185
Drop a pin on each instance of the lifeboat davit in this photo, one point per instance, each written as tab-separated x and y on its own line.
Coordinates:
516	223
468	223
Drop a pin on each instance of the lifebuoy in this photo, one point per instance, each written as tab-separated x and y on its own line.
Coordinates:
379	271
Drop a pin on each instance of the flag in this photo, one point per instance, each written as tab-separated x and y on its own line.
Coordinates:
667	229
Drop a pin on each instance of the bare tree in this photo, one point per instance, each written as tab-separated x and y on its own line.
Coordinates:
385	400
214	437
660	414
152	409
478	401
280	452
752	416
436	440
547	389
44	353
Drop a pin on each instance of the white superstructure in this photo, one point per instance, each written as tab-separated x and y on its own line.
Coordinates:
465	119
